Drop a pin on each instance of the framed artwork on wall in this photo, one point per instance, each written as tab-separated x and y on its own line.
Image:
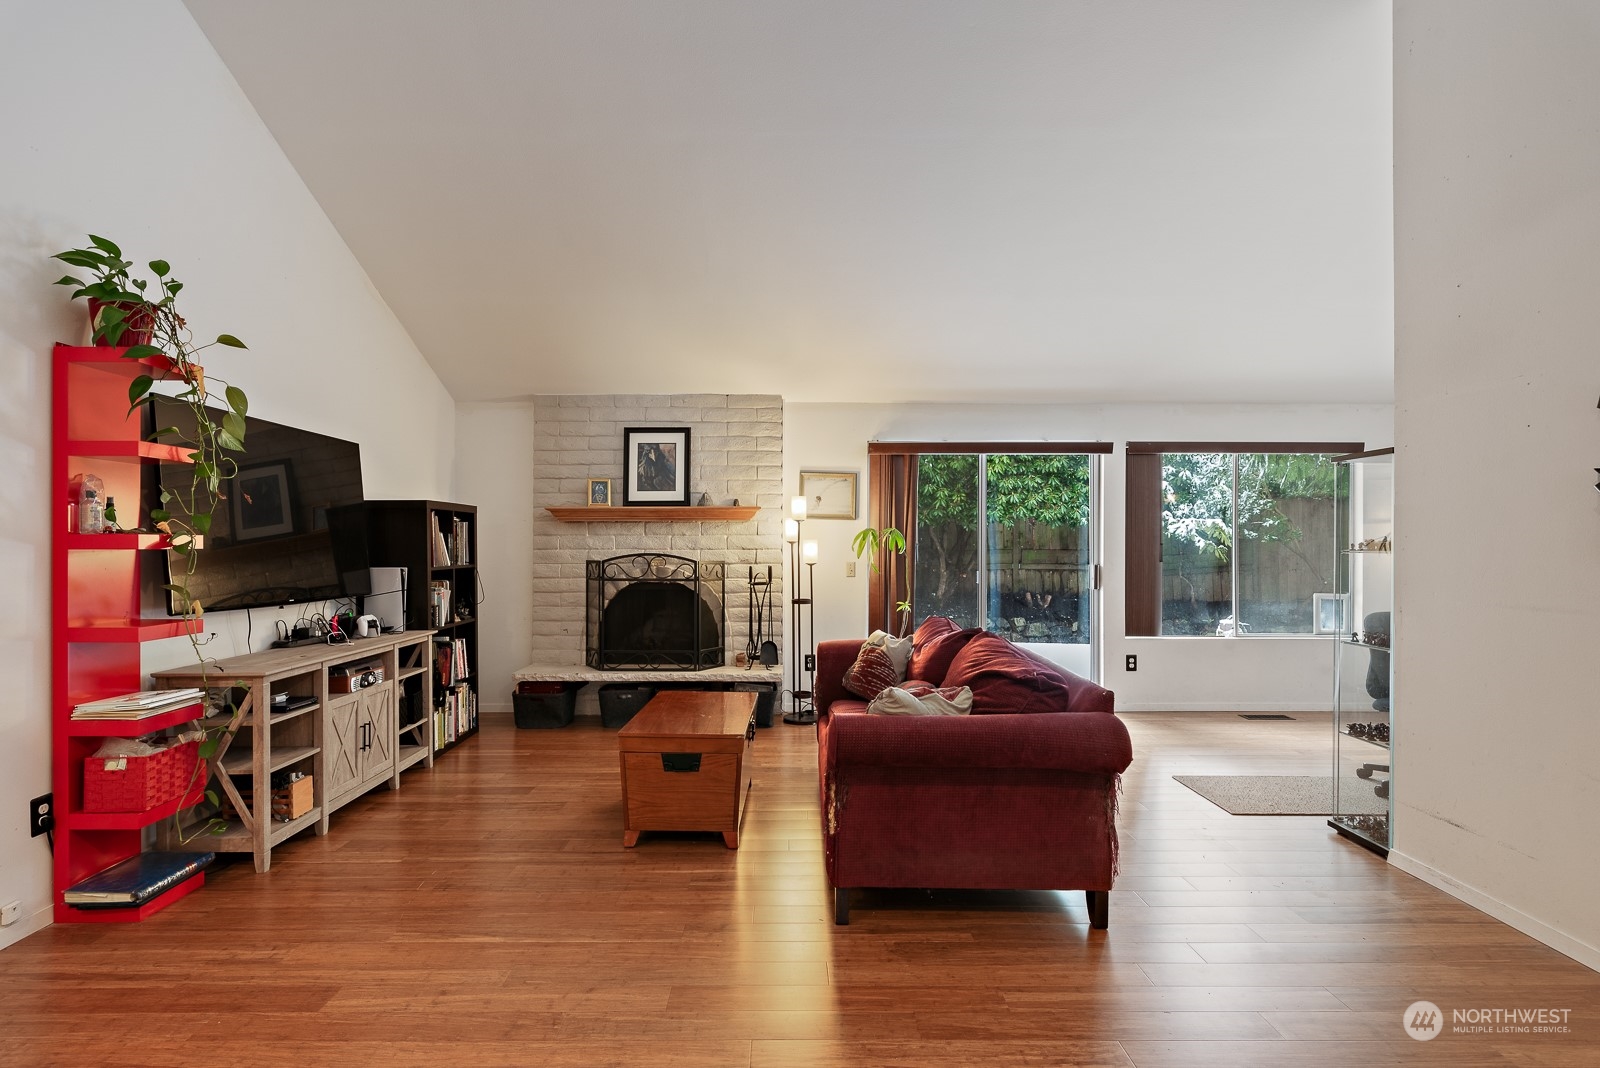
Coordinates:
829	494
263	501
599	493
655	464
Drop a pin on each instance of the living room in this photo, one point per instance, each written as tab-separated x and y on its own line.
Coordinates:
1231	222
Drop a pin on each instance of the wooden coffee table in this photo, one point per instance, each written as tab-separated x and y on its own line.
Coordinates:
685	764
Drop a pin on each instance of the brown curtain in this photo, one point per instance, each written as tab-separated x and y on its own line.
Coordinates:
893	504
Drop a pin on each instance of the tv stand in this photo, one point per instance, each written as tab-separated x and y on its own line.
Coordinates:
348	743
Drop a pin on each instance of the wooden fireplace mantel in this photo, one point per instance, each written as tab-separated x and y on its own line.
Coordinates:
654	514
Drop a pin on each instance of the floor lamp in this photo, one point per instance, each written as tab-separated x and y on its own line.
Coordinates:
804	711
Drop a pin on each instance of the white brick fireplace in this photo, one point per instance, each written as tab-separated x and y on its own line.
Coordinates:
735	451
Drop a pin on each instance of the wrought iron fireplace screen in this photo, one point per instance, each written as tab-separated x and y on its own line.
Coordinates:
654	611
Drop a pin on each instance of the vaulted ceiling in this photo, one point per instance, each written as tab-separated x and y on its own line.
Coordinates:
853	199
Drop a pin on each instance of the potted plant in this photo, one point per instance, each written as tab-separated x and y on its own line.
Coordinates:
875	541
128	311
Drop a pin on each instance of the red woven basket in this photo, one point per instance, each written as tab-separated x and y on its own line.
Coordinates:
137	784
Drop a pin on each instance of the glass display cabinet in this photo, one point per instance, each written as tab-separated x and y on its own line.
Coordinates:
1363	666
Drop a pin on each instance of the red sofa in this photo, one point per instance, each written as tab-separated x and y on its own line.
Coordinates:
1020	795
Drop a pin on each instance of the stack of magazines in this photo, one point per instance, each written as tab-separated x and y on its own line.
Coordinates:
140	705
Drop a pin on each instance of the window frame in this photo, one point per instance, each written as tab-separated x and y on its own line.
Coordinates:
1142	535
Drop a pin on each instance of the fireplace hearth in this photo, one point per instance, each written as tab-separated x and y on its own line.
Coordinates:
654	611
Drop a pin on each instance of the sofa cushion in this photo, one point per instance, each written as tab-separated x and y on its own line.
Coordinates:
931	661
931	628
871	674
847	706
1004	679
899	650
922	701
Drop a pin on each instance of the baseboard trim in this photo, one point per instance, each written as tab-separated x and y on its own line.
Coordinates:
1582	952
10	936
1231	706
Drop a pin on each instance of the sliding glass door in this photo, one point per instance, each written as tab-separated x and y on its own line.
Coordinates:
1025	570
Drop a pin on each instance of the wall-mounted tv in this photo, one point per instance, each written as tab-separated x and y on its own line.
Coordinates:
292	529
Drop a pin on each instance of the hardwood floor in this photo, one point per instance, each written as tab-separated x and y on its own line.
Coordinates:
487	914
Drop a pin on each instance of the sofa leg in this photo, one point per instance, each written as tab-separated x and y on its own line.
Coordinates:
1099	902
841	906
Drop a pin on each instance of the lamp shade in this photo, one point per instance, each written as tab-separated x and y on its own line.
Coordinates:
808	552
797	507
791	531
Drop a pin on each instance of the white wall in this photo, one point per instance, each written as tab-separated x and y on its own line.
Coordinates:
1182	674
1497	262
494	470
155	147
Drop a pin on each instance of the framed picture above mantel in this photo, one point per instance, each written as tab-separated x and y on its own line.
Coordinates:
655	465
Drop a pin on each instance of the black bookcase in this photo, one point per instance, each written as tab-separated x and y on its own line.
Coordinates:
437	543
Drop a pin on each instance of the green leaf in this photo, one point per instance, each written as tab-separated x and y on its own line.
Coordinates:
233	424
166	495
211	796
237	401
165	430
139	387
67	280
160	515
208	749
173	287
230	341
228	441
202	523
83	258
160	267
109	246
112	314
139	352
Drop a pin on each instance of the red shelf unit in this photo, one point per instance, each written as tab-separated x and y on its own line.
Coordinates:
96	625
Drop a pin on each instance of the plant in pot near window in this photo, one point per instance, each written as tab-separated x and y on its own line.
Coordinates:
876	542
128	311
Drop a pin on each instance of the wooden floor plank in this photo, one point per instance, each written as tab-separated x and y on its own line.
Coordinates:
487	913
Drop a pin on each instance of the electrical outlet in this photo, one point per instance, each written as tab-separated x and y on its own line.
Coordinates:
850	569
1131	662
811	662
10	913
41	815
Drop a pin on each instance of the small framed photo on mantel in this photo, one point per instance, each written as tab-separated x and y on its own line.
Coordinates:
655	465
829	494
599	493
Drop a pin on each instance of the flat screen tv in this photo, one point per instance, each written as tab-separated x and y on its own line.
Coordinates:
292	529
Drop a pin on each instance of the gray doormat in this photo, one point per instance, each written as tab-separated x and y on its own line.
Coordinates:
1285	795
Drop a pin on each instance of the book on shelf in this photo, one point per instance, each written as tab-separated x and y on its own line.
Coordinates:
460	541
137	705
441	548
136	880
450	659
456	715
440	604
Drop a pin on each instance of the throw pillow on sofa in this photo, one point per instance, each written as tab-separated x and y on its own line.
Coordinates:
1004	679
899	650
931	662
922	701
871	674
931	628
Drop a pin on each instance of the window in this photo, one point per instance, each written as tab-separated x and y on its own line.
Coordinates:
1227	540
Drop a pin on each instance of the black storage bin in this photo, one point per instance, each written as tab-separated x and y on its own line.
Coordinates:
621	701
766	699
545	705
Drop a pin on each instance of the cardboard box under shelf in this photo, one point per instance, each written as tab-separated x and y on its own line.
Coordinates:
288	802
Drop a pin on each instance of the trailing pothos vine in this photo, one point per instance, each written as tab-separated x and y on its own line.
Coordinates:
142	315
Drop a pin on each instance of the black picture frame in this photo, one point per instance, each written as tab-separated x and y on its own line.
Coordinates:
655	465
262	496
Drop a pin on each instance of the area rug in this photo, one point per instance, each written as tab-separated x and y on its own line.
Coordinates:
1284	795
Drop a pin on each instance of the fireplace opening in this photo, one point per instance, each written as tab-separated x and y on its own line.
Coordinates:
653	611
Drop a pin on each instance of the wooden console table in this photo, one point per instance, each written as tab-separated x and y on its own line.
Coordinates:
348	742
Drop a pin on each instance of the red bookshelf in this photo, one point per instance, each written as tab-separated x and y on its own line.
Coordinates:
96	626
